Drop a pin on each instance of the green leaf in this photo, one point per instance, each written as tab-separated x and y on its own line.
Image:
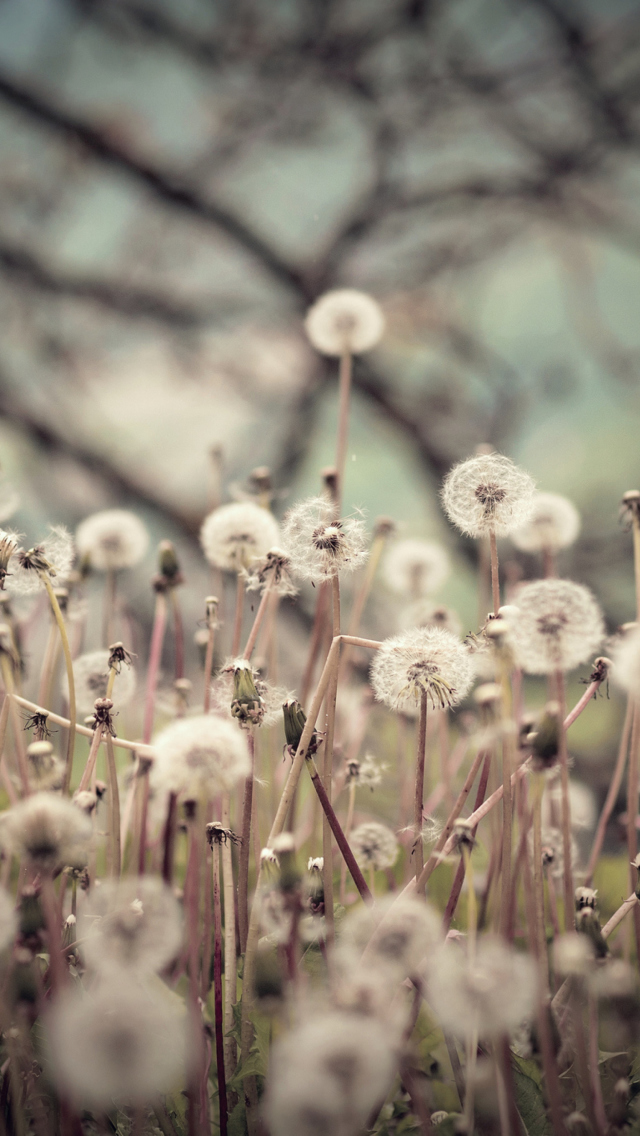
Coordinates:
238	1120
253	1067
529	1099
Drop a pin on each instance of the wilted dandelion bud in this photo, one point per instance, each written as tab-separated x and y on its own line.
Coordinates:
273	571
553	524
344	321
168	566
421	661
118	1044
493	993
48	831
233	536
326	1075
199	758
112	539
416	568
91	675
247	705
52	558
425	613
132	924
319	545
374	845
573	955
559	626
487	494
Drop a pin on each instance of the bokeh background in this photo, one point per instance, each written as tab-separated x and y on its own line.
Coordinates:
178	181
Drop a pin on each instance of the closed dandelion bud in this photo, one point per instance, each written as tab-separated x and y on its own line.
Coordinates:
586	897
199	758
462	834
559	626
48	831
374	846
285	849
426	661
247	705
315	886
112	540
588	923
294	722
133	924
415	568
554	524
168	565
233	536
119	1043
344	320
319	545
488	493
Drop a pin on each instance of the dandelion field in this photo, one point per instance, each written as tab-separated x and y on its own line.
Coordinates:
379	901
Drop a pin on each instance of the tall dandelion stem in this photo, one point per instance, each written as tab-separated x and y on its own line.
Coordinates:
419	788
344	398
566	807
495	576
64	639
155	655
327	767
237	621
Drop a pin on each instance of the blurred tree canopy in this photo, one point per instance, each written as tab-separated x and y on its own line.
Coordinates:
180	181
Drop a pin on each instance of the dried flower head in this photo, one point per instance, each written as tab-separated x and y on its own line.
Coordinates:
236	535
133	924
425	660
416	568
111	540
239	691
374	845
488	493
319	545
492	993
344	321
559	626
117	1044
554	523
326	1075
199	758
273	571
48	831
425	613
91	675
53	558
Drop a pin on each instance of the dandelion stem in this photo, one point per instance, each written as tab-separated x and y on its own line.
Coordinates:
169	837
64	639
253	634
7	678
327	766
456	887
245	849
109	607
344	396
178	632
495	578
237	621
616	919
336	828
208	665
419	789
472	1041
155	655
91	759
566	808
538	885
217	989
316	640
114	809
443	839
612	794
632	811
347	832
230	964
362	595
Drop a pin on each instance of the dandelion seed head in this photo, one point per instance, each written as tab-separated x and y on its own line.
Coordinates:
554	524
112	539
374	845
396	933
425	660
493	993
199	758
54	555
488	493
119	1043
553	849
582	802
326	1075
559	626
573	954
425	613
234	536
415	568
91	675
273	572
132	924
319	545
367	773
625	656
344	320
47	830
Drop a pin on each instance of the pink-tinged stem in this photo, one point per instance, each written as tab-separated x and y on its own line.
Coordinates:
632	813
336	829
456	888
316	640
592	689
114	809
419	787
144	811
443	839
169	838
612	795
253	634
629	904
91	759
208	667
343	423
178	633
495	576
237	622
155	654
217	990
245	850
57	973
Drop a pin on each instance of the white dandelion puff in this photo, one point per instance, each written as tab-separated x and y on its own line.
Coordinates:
112	540
234	536
421	661
396	935
199	758
273	571
625	656
554	524
91	675
374	845
53	557
424	613
559	626
326	1075
48	831
319	545
488	493
344	321
492	993
415	568
133	924
117	1044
